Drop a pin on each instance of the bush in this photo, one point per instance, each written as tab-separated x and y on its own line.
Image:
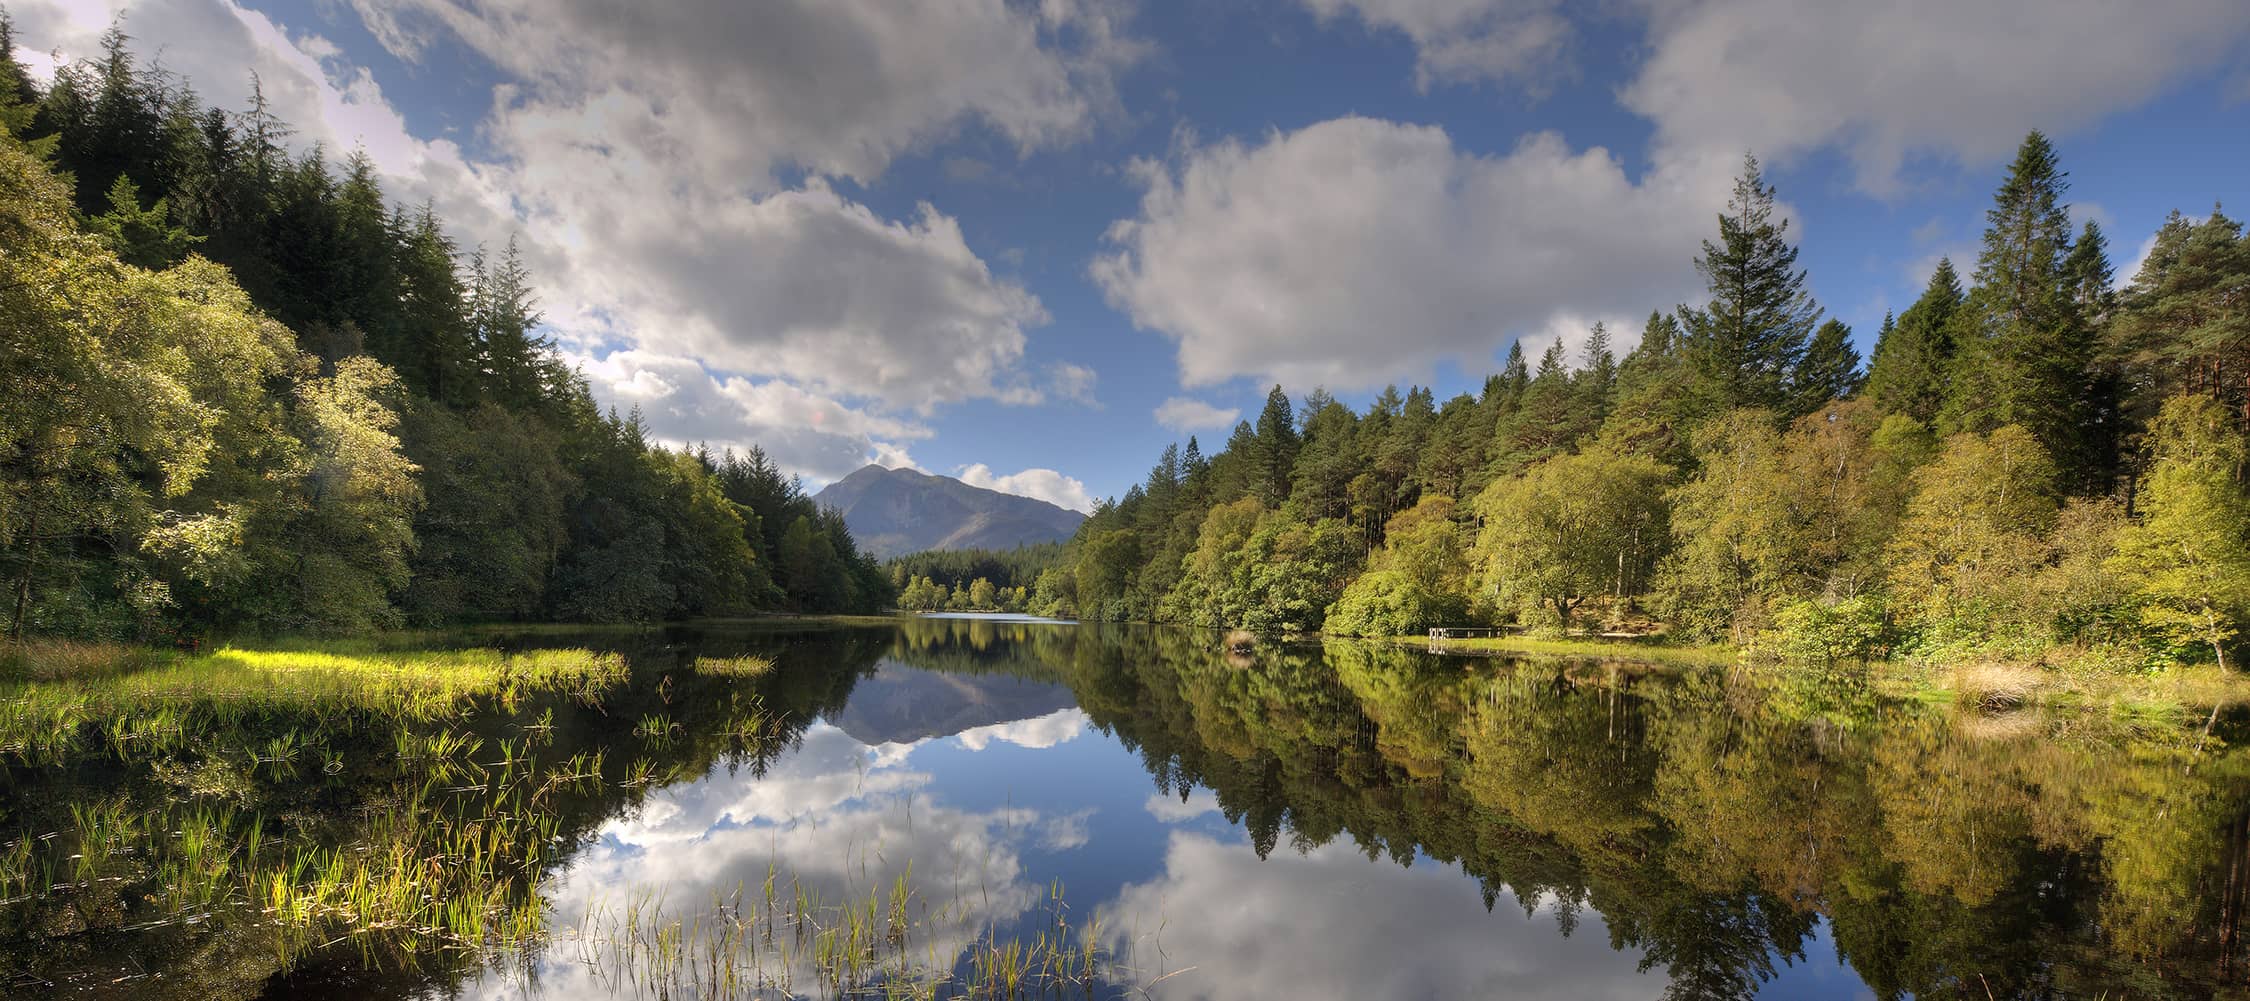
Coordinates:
1391	603
1821	631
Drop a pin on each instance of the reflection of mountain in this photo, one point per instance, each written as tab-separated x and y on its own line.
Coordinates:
901	704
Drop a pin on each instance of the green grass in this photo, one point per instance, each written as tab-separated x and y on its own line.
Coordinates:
1643	651
51	692
734	667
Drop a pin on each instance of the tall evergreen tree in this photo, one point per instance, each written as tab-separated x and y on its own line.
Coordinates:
1276	449
1913	360
1828	371
2029	357
1748	337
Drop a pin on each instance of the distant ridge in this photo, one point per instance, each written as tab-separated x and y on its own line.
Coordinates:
893	512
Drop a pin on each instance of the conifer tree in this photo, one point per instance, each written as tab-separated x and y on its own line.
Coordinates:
1914	358
2029	355
1828	371
1748	337
1275	455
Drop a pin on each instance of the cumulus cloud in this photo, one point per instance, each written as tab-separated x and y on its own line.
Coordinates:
648	148
1184	414
1042	484
685	403
1890	80
1356	252
1467	40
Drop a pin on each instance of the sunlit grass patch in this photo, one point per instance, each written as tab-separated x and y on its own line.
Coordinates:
142	701
1648	651
734	667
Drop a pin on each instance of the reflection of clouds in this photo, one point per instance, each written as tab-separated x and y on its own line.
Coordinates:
1058	834
1057	727
827	770
1332	924
1173	811
836	821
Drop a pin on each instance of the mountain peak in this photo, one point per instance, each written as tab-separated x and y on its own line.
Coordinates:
892	512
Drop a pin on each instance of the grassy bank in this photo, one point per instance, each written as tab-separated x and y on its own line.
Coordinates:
2061	679
1639	651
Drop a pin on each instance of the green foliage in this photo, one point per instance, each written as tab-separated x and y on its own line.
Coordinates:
1572	528
1965	554
2187	561
174	459
1913	359
143	238
1748	339
2027	353
1809	630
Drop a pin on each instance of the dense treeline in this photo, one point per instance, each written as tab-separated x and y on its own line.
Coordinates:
2033	459
972	580
246	392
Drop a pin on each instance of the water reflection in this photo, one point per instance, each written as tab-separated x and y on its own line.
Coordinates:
1347	821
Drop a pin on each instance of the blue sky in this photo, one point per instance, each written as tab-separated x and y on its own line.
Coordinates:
1029	243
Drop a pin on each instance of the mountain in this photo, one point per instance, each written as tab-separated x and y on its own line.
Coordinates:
893	512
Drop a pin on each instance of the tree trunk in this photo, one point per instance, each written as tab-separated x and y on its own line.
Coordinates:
23	582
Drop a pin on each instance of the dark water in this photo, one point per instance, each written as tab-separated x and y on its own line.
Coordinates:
1345	821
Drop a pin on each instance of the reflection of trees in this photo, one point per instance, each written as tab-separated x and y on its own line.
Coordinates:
1711	824
111	939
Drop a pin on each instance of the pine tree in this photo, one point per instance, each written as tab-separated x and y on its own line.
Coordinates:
1747	339
1275	455
2029	357
2181	326
2090	276
144	238
1828	371
16	86
1914	359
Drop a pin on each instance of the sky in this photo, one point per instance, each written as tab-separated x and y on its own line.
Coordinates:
1029	243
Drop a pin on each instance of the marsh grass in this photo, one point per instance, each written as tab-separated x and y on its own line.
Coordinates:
176	789
734	667
1654	652
783	938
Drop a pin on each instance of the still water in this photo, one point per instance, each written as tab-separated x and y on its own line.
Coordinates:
1131	812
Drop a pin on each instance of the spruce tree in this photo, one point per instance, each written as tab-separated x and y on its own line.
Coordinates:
1748	337
2029	356
1914	358
1828	371
1275	453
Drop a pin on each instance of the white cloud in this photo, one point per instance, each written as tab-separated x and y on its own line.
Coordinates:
1173	811
1059	727
1331	923
645	145
1073	382
1184	414
1887	81
1356	252
806	433
1467	40
1042	484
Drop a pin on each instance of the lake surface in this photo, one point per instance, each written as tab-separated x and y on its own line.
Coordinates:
950	799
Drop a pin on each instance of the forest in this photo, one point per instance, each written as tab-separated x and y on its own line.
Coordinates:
971	580
249	393
2037	457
